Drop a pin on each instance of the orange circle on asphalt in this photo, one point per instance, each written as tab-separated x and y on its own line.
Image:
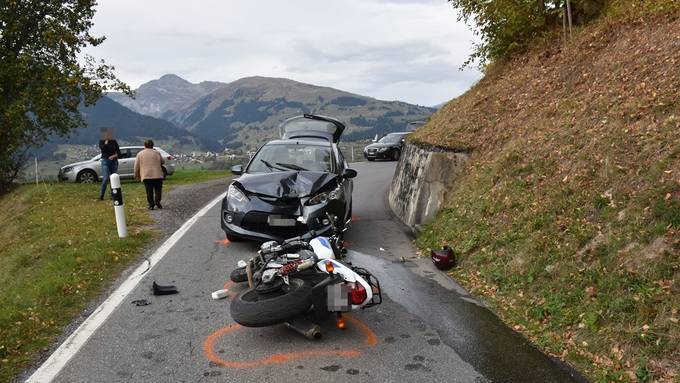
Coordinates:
209	347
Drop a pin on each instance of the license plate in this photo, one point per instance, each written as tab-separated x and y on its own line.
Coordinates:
338	297
274	220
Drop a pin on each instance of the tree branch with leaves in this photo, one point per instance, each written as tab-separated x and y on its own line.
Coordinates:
44	76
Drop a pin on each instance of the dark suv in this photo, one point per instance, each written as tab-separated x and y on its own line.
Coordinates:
387	148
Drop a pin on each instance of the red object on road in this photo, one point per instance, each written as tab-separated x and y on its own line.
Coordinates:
444	259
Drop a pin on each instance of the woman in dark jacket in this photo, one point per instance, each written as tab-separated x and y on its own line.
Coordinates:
110	153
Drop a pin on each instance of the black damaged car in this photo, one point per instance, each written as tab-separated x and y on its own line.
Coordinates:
292	185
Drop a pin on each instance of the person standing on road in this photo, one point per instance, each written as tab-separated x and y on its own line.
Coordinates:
149	169
109	160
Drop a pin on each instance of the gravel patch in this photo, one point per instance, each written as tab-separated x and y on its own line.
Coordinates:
183	201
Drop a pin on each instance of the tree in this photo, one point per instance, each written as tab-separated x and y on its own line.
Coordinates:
508	26
44	76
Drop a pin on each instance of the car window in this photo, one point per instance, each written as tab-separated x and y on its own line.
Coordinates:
124	153
134	152
284	157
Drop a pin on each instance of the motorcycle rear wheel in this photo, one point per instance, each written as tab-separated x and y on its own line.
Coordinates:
252	309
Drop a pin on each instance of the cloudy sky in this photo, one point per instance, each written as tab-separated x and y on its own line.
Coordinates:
409	50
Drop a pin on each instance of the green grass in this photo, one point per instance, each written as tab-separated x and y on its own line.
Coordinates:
60	249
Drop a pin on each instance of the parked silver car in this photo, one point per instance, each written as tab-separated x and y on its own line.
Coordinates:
90	171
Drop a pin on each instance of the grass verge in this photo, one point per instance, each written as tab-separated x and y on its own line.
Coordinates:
60	249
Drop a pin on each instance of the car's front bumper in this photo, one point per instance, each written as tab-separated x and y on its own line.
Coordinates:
253	224
377	155
66	177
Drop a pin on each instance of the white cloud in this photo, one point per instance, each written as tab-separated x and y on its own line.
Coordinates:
390	49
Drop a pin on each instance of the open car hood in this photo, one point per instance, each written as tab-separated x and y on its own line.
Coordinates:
312	126
288	184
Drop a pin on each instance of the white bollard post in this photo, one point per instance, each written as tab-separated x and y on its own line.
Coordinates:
117	196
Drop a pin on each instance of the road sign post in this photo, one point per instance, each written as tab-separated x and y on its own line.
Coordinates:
119	209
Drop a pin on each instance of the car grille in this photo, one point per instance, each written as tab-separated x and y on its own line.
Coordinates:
257	221
372	151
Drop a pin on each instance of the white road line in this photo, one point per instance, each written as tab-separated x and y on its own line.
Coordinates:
56	362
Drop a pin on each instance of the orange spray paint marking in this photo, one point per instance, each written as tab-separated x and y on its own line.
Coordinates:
223	242
227	286
209	348
356	218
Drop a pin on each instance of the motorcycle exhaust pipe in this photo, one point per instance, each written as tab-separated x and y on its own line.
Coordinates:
309	330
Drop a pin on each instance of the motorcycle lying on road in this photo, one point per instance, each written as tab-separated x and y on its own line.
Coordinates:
301	277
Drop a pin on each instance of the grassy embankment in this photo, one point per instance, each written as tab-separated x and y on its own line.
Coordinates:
568	213
59	250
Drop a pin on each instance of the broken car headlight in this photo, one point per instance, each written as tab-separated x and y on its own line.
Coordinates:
236	200
325	196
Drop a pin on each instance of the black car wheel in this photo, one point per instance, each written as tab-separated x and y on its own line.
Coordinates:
87	177
371	159
396	154
252	309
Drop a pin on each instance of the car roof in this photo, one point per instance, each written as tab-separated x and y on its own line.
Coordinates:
398	133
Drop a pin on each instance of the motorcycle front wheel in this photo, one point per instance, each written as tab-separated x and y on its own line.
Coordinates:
253	309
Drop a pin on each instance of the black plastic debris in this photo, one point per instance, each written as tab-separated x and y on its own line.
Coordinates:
164	290
140	302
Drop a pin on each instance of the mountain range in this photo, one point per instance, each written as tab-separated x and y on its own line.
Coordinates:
247	111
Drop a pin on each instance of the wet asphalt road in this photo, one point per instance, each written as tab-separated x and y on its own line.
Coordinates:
427	329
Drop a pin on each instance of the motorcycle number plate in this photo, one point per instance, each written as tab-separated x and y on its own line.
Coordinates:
277	220
338	298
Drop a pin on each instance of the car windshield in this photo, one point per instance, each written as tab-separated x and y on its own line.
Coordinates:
284	157
391	139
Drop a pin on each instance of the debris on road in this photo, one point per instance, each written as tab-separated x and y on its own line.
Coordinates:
140	302
164	290
220	294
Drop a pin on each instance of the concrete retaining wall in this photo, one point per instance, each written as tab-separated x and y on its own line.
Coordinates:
421	182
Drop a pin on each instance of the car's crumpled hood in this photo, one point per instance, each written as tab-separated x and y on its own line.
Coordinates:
288	184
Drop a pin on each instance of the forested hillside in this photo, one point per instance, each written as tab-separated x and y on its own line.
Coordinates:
567	216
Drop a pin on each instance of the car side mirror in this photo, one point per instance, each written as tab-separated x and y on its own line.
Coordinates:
349	173
237	170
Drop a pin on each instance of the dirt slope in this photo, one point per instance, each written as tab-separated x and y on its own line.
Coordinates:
568	214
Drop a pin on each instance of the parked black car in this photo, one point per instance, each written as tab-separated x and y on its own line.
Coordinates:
387	148
292	185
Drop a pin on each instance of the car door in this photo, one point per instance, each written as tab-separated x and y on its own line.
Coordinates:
126	162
